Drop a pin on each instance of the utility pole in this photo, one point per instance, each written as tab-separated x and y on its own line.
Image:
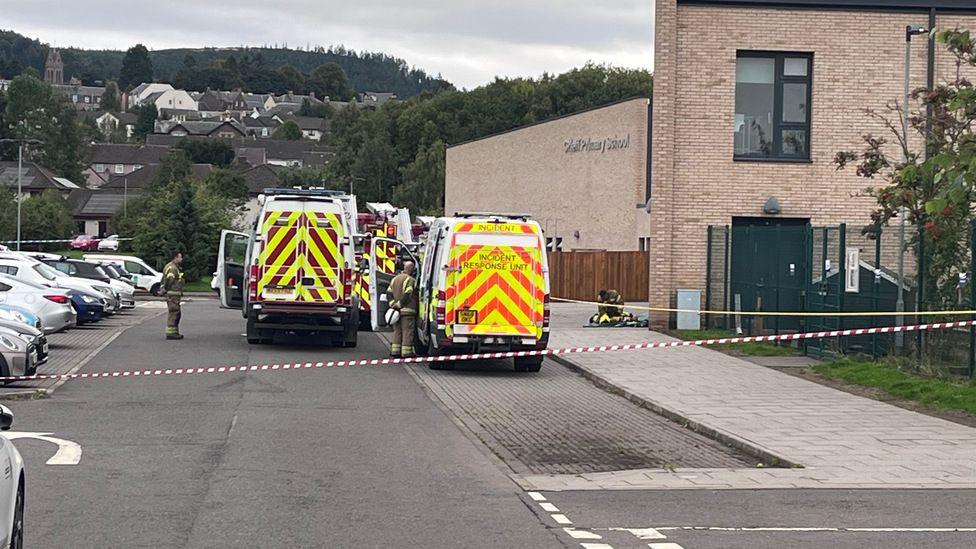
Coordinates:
20	177
910	31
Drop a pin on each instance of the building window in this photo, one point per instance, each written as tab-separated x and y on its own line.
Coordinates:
772	106
99	168
119	168
87	99
74	98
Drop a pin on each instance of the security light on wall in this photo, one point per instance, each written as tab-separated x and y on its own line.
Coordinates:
575	234
772	207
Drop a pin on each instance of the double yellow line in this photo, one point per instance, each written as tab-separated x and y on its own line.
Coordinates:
772	313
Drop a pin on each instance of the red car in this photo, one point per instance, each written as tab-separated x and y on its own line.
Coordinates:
84	242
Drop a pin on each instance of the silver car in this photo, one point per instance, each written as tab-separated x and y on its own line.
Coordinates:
17	355
32	335
51	305
29	269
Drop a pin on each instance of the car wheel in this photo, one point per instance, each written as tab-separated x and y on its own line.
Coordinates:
17	528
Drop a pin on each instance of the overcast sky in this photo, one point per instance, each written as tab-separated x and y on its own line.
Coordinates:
468	41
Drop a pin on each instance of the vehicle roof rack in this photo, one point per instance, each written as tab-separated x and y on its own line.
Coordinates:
302	192
493	214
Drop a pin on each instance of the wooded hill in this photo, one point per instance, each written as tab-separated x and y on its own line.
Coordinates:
366	71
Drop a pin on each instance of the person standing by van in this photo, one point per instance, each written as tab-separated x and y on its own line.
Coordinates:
173	289
402	296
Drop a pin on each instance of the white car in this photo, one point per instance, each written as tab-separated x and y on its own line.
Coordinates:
12	485
51	306
109	244
29	269
144	276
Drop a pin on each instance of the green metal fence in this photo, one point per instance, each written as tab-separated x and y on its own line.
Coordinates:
785	267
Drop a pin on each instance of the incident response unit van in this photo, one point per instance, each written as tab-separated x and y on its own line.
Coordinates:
483	284
294	271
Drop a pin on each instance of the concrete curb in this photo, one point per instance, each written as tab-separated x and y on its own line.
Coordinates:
770	459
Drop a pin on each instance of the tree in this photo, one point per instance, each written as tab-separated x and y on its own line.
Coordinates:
935	185
111	97
289	130
145	121
64	148
136	67
174	166
422	190
329	80
291	80
317	110
211	151
33	111
229	184
46	217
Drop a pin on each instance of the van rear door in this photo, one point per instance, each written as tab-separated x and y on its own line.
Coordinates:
382	268
496	284
322	253
230	268
279	261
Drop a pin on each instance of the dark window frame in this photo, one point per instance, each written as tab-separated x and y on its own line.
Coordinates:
779	126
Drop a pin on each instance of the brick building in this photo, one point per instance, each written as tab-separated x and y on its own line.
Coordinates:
752	100
583	177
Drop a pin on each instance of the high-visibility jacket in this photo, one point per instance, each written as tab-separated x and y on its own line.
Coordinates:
403	294
172	279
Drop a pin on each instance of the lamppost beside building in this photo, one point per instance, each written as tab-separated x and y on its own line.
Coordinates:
20	176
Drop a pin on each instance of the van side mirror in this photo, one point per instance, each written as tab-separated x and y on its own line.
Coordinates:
6	418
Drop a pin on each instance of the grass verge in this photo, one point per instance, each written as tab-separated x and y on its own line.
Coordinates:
738	349
202	285
942	394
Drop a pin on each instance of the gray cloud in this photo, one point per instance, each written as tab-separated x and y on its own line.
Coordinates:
469	41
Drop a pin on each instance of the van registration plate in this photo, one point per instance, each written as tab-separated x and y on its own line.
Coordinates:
467	317
278	291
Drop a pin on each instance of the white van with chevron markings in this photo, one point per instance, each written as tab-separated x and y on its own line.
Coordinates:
294	272
484	287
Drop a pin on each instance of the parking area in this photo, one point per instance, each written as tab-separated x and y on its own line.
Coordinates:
72	349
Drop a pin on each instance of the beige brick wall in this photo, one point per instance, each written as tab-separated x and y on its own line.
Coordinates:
529	171
858	63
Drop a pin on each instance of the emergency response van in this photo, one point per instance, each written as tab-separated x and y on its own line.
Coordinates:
483	282
294	271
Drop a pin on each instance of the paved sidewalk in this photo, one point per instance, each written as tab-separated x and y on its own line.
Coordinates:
840	440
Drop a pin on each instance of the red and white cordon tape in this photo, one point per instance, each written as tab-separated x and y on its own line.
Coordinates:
505	354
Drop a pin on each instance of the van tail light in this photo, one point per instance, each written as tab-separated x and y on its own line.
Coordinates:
346	297
545	311
252	283
57	298
441	310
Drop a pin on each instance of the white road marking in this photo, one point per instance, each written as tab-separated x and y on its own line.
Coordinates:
69	452
536	496
548	507
596	546
561	519
666	545
582	534
643	533
810	529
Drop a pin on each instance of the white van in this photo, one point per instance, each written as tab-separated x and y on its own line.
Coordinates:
483	287
144	276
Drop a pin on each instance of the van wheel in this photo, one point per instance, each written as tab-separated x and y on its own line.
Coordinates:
253	335
155	289
528	363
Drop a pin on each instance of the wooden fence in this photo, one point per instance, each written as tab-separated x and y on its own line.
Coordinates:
581	275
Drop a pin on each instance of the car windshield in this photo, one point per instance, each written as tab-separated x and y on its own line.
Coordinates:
103	271
48	273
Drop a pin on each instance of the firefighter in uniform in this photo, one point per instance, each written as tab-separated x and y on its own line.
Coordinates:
611	309
173	289
402	296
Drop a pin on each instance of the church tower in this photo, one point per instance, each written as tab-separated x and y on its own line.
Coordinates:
54	68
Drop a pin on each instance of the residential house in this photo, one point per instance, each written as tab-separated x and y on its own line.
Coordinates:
226	129
33	178
106	160
137	96
258	178
375	99
312	127
110	122
260	126
752	101
174	100
82	98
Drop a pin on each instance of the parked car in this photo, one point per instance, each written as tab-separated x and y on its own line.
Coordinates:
84	242
11	487
19	314
93	271
108	244
51	305
145	277
89	308
118	273
17	355
33	336
31	270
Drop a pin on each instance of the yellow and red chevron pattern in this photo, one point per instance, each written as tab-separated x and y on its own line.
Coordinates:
482	227
301	256
503	285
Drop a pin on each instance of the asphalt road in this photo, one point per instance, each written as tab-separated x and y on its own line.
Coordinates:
366	457
355	457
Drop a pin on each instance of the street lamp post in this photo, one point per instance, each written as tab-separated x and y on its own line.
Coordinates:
20	176
352	189
910	31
